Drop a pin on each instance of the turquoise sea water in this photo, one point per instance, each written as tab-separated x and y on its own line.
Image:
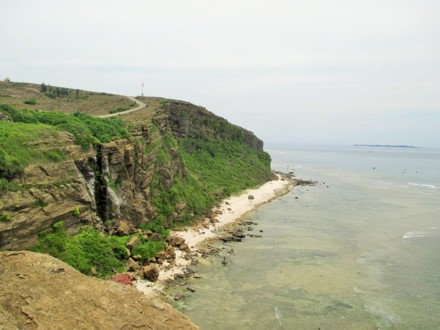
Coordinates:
359	250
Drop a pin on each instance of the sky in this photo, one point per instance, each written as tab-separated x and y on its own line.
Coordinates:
335	72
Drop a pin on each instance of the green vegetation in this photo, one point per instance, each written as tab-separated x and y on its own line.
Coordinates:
148	249
40	203
31	101
86	129
214	169
5	217
17	138
76	212
53	98
94	253
89	251
16	149
123	108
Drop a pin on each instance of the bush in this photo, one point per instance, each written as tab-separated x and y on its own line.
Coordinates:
148	249
9	166
5	217
31	101
86	129
50	94
89	251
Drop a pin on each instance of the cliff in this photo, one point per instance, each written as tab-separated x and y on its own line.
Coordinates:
71	300
179	160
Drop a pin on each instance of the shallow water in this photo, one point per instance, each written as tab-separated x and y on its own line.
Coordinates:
359	250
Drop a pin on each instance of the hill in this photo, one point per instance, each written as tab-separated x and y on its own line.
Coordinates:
52	98
164	166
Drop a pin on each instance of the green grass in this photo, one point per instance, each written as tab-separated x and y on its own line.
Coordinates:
16	149
214	169
94	253
89	251
122	108
55	98
28	126
5	217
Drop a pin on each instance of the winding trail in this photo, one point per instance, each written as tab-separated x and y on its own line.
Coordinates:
140	105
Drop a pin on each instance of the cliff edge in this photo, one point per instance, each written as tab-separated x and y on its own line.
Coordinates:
39	291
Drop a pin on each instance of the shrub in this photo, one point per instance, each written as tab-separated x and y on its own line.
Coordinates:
148	249
89	251
31	101
5	217
76	212
86	129
50	94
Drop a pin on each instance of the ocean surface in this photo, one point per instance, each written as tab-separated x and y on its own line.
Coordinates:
358	250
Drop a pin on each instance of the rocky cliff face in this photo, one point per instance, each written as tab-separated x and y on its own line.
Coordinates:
70	300
112	183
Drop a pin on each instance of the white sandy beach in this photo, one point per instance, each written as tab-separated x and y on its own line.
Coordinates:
231	209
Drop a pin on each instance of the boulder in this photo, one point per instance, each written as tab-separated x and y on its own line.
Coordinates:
151	272
250	197
155	237
132	265
123	229
170	252
161	255
184	247
177	241
124	279
133	242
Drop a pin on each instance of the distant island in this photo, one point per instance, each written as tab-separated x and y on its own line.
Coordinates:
384	145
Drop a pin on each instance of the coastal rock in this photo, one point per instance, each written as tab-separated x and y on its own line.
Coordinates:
251	197
124	279
133	242
123	228
184	247
161	255
170	252
151	272
177	241
155	237
132	265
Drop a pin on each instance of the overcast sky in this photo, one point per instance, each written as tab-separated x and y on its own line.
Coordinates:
302	72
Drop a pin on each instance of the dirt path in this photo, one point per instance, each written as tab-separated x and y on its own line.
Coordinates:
140	105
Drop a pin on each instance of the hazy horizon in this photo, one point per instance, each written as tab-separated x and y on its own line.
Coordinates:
301	72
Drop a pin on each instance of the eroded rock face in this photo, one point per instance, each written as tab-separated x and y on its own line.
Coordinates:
38	291
114	182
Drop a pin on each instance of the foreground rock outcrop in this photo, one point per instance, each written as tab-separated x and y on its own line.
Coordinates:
39	291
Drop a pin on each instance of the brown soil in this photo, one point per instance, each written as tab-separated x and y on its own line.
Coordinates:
39	291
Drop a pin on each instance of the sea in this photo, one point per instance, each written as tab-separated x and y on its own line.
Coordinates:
360	249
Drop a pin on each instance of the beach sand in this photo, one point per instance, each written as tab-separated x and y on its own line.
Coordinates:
229	211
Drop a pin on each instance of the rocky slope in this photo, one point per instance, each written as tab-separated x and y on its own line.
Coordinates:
71	300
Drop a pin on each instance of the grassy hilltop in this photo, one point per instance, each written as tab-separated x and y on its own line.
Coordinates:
51	98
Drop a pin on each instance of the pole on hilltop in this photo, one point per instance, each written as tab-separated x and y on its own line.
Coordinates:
142	93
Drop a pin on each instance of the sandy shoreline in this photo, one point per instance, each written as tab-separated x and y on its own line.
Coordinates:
229	211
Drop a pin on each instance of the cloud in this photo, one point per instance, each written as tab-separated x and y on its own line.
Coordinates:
327	65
